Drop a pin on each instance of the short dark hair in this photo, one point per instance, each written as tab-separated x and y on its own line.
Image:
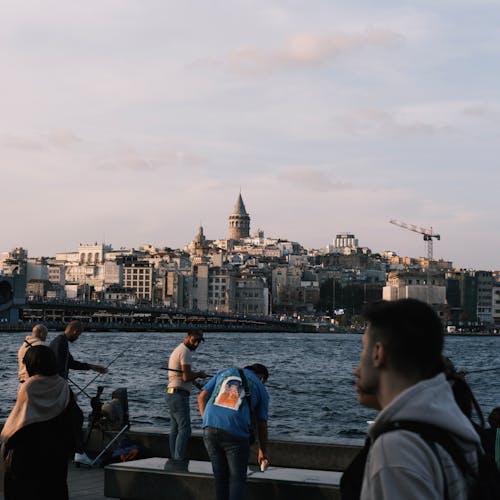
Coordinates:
411	333
40	360
259	369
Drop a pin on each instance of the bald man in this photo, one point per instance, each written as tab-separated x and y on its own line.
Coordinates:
37	337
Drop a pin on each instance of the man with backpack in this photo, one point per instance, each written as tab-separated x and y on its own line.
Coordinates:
230	403
421	444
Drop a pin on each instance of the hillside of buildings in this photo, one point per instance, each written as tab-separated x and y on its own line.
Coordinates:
252	274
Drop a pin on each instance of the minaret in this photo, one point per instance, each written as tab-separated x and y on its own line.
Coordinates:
239	221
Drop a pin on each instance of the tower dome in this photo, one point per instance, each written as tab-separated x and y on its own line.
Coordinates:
239	221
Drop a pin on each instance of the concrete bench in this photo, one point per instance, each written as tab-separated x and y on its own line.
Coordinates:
146	479
328	455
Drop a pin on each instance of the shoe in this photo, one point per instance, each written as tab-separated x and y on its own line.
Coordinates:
176	465
82	459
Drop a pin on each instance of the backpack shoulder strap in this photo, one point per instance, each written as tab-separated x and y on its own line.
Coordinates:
248	397
435	434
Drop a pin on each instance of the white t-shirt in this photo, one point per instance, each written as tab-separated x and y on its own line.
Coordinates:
181	355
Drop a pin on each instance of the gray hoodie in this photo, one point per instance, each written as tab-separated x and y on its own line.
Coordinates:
401	465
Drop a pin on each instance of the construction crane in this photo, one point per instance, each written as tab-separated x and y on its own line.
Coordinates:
428	234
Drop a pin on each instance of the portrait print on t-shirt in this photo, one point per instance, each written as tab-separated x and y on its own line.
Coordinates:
230	393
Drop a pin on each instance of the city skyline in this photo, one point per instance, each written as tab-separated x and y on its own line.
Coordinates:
135	123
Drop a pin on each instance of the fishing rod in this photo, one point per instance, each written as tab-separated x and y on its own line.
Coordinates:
466	372
82	391
198	385
106	368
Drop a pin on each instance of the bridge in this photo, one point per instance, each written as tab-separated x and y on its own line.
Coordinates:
101	316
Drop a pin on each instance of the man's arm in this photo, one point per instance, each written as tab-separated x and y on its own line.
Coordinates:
188	375
203	398
262	435
78	365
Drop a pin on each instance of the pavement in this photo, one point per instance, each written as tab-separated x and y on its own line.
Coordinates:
83	483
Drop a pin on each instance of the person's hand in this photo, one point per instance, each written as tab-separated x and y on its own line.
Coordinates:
99	368
263	459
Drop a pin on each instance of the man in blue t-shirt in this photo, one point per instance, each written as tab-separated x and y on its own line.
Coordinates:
227	403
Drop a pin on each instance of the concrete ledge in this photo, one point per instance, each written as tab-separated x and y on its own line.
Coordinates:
328	456
146	479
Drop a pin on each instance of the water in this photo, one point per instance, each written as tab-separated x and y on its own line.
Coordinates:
310	384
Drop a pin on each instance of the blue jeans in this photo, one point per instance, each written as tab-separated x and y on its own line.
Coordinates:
229	457
180	425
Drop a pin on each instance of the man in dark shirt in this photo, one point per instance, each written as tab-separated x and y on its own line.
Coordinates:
65	362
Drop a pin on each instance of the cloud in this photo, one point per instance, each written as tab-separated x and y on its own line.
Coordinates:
423	119
147	160
312	179
307	49
56	139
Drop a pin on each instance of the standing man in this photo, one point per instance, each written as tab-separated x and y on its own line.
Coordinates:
37	337
65	361
180	382
401	366
228	403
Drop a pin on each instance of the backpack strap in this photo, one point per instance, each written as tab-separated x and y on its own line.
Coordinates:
248	398
433	434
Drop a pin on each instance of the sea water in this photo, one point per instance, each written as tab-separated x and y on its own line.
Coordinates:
311	385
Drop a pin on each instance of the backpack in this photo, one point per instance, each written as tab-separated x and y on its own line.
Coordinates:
483	485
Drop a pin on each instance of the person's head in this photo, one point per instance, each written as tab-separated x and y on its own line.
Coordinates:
494	417
193	338
260	370
40	332
73	330
464	397
403	337
40	360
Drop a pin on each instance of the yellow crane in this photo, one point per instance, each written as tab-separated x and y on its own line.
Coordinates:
427	233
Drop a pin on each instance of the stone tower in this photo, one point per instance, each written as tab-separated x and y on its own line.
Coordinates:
239	221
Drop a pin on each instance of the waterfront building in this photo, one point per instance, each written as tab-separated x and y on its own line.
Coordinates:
484	287
414	284
495	306
251	295
286	287
198	287
220	294
138	276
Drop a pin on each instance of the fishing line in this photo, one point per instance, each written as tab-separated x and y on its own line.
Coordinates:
107	366
466	372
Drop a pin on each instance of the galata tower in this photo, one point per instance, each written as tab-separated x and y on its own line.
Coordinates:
239	221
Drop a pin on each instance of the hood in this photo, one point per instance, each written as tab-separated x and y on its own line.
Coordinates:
40	398
430	401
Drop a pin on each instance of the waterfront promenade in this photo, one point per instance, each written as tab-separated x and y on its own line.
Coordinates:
84	484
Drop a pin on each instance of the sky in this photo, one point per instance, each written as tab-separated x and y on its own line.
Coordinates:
136	121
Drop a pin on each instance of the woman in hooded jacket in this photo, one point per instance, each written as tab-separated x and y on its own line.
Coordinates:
37	438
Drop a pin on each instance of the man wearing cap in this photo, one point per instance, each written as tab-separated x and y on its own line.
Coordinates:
180	382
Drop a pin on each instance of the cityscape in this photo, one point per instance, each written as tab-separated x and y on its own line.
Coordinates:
247	274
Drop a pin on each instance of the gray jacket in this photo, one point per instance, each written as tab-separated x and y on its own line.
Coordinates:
401	465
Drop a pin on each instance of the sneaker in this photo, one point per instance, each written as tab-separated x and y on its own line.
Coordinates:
176	465
82	458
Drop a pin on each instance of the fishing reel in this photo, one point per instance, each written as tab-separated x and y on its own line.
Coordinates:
110	415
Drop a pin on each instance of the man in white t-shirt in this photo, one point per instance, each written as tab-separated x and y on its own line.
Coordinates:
180	382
